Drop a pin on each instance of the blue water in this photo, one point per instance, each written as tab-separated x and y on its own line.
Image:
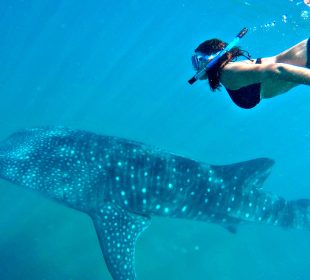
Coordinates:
121	68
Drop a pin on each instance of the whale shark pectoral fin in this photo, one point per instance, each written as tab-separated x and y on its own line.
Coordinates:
117	231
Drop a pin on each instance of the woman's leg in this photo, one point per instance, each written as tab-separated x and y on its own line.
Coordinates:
297	55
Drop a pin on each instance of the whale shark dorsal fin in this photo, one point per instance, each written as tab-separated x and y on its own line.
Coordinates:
246	175
117	231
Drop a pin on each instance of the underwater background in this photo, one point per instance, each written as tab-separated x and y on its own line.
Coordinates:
121	68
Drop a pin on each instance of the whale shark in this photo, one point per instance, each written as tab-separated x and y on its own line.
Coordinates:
121	184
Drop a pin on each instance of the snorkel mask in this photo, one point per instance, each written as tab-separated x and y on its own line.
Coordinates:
202	63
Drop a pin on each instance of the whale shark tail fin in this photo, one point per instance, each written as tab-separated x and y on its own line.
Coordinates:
118	231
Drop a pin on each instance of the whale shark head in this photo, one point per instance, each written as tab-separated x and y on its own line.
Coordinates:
44	160
23	158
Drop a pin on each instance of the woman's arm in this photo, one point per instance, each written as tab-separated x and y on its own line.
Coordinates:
289	73
240	74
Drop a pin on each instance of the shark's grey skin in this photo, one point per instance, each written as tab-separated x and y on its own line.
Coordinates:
121	184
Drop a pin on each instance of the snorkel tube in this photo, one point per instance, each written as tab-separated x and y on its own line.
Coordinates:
214	60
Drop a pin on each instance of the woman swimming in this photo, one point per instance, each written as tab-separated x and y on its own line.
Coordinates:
249	81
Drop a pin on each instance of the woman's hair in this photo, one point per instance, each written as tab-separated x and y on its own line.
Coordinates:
213	46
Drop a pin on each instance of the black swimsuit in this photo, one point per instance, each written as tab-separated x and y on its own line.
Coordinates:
246	97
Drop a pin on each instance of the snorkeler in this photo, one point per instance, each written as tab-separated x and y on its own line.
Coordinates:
248	81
